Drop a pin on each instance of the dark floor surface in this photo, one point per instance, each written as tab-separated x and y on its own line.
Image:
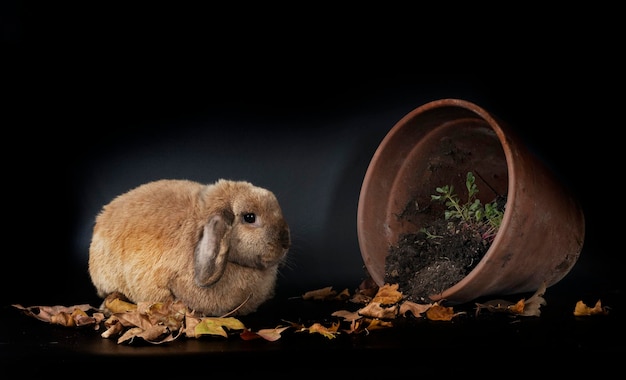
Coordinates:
489	345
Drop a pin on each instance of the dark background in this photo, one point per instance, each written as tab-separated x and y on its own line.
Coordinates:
100	98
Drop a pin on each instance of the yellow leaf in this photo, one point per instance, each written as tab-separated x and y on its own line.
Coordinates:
377	324
516	308
581	309
388	295
116	305
215	326
329	332
440	313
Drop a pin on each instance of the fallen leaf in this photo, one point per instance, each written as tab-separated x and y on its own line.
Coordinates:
417	309
69	316
355	327
328	332
215	326
532	306
377	324
494	306
347	315
581	309
267	334
156	334
116	305
320	294
526	308
377	310
441	313
388	295
343	295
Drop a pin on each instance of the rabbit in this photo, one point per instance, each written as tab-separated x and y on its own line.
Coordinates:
216	247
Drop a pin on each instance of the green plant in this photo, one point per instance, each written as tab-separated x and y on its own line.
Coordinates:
486	218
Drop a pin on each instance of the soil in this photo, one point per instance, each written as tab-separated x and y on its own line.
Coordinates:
423	265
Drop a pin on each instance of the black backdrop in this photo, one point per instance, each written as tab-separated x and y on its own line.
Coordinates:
102	99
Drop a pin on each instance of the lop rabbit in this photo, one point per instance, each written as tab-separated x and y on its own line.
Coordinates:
215	247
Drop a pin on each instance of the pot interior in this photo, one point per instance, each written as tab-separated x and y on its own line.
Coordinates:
425	150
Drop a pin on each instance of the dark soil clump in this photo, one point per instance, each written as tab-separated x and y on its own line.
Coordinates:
428	262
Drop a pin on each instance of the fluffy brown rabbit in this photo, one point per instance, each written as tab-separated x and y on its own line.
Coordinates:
213	247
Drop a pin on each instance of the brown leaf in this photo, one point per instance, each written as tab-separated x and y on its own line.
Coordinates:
440	313
355	327
416	309
368	286
532	306
69	316
376	310
113	329
155	334
494	306
377	324
526	308
361	298
320	294
346	315
343	295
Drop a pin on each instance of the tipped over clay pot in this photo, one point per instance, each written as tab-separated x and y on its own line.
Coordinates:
542	231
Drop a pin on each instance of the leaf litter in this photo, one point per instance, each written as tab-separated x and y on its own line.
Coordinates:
369	308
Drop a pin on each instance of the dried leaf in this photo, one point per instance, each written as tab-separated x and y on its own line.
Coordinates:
134	319
215	326
130	334
355	327
417	309
376	310
368	287
113	329
267	334
525	308
388	295
494	306
156	334
320	294
117	305
346	315
531	307
361	298
517	308
581	309
377	324
343	295
328	332
69	316
440	313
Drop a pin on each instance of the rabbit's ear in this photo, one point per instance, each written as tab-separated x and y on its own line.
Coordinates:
211	252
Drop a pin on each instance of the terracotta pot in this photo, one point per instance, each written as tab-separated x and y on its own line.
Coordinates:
542	231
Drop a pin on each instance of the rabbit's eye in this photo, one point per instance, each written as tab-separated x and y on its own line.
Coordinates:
249	217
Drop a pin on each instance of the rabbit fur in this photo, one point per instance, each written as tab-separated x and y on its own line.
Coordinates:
215	247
